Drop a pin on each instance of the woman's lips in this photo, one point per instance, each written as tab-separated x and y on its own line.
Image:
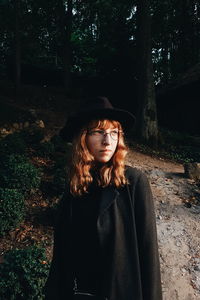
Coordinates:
106	150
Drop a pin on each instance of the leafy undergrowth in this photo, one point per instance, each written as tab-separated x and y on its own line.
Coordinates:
175	146
16	114
36	228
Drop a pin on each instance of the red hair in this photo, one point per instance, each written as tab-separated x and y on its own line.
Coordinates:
83	163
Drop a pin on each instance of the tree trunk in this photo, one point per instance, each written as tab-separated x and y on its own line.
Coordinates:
17	48
66	28
146	123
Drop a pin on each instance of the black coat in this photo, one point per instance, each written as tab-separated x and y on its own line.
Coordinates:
127	232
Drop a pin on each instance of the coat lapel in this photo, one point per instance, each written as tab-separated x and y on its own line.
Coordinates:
108	196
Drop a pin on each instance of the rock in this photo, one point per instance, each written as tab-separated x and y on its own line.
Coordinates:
184	270
15	125
188	204
156	173
4	131
178	243
197	267
33	113
40	123
192	170
26	124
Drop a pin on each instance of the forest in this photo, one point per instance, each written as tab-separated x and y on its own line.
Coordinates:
135	52
144	55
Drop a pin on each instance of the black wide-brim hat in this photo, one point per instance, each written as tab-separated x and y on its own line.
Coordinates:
95	109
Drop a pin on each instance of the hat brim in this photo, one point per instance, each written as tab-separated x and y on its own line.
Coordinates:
79	120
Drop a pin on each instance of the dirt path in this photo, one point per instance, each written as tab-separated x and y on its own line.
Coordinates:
177	218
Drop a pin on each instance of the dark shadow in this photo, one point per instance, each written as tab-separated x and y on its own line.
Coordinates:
171	175
41	216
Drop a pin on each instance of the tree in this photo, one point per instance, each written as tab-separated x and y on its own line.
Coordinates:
146	123
97	37
17	47
64	18
175	36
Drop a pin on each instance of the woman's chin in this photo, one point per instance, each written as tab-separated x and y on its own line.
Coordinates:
103	160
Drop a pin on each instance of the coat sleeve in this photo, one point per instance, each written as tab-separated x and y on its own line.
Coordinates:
57	284
147	240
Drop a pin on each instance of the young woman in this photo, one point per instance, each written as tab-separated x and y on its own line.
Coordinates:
105	243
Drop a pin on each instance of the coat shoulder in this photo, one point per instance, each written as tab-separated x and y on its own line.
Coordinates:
133	174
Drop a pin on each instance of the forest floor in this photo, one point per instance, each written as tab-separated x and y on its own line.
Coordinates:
177	205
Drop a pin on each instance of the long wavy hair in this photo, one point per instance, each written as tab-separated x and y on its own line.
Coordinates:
85	170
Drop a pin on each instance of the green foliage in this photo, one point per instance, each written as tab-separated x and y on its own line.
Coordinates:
33	135
181	146
12	143
63	150
184	154
46	149
11	209
176	146
62	160
59	181
9	113
98	27
23	274
59	144
18	173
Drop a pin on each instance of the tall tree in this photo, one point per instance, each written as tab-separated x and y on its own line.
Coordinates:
65	26
17	47
102	38
146	123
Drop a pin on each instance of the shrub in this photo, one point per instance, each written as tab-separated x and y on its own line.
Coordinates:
18	173
45	149
12	209
32	135
23	274
59	181
61	161
59	143
12	143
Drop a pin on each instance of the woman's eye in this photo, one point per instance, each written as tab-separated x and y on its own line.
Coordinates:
100	132
114	132
96	132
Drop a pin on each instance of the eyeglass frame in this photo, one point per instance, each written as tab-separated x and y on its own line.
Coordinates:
103	134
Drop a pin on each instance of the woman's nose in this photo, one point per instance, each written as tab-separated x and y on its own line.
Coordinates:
106	139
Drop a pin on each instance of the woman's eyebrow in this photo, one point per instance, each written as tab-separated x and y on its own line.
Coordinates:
101	128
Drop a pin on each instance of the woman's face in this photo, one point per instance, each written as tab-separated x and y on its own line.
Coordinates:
102	142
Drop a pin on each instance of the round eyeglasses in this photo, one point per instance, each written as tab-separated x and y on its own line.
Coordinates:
102	134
